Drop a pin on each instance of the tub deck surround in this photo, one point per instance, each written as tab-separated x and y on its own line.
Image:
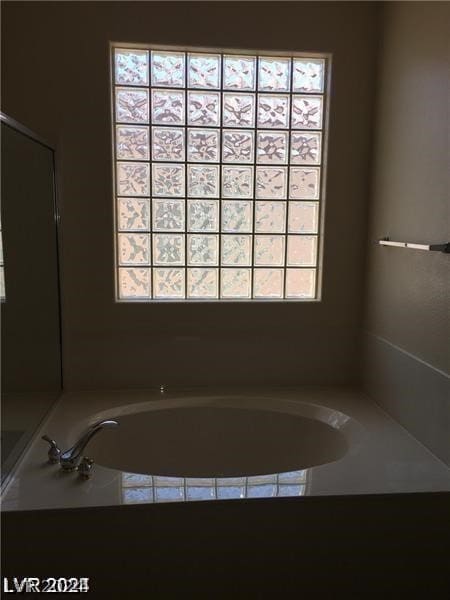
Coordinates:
359	450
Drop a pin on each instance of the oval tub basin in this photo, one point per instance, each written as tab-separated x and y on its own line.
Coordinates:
216	441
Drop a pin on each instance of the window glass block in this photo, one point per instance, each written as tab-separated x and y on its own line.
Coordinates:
292	477
239	72
131	105
269	250
203	249
236	250
302	250
168	143
133	214
169	494
237	182
132	143
204	70
137	495
291	490
203	145
203	181
134	249
167	69
307	112
308	75
273	111
136	479
204	108
271	182
238	110
131	67
270	217
304	183
236	283
305	148
200	493
237	146
168	283
134	283
168	215
300	283
168	180
202	283
133	179
203	215
268	283
168	249
272	147
229	492
168	107
237	216
303	217
274	74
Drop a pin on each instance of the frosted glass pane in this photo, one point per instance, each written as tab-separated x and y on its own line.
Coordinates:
132	67
272	147
131	105
203	249
239	72
134	283
168	107
134	249
237	146
303	217
273	111
302	250
132	142
168	283
271	182
237	216
236	283
133	214
238	110
204	70
270	217
269	250
168	180
168	143
268	283
305	148
274	74
307	112
308	75
304	183
167	69
203	215
237	182
203	145
204	108
168	215
203	181
236	250
202	283
168	249
133	179
300	283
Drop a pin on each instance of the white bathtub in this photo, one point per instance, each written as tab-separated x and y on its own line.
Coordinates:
191	445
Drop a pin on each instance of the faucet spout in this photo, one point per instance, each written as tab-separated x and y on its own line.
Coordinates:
70	459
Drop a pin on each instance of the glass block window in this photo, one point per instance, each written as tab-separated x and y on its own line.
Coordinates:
218	174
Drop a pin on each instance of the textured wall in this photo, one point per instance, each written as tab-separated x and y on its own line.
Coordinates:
408	290
56	81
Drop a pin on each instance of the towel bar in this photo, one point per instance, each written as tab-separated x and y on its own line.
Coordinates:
430	247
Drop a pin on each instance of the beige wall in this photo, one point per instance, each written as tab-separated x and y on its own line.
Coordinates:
56	81
408	351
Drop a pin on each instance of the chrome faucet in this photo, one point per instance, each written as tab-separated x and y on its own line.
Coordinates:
71	458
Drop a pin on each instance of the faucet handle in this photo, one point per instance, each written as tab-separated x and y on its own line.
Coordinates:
85	467
54	452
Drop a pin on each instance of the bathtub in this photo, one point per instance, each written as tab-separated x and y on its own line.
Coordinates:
187	445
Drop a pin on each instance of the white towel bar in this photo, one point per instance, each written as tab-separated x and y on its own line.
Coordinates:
430	247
